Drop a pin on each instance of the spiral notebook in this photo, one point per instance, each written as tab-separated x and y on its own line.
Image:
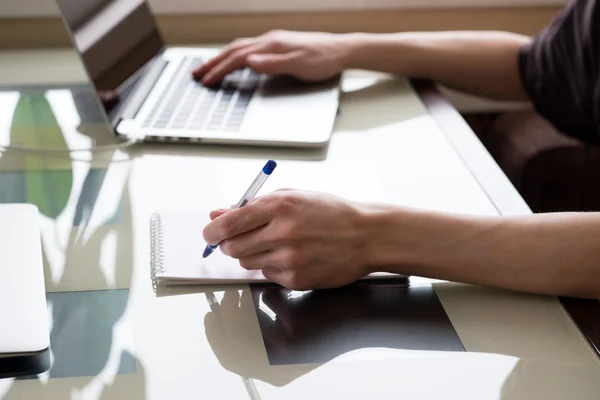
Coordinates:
176	253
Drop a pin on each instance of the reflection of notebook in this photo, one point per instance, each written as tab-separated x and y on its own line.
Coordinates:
176	253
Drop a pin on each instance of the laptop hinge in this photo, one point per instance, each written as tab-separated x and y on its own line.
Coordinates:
138	95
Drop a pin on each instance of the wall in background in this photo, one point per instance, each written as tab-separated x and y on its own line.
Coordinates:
35	23
43	8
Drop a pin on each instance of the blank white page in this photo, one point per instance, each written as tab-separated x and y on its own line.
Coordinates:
182	246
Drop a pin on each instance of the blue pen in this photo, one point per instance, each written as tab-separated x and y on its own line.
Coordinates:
249	195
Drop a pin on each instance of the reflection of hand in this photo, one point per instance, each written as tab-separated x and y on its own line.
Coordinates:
312	314
300	240
235	337
309	56
108	98
231	330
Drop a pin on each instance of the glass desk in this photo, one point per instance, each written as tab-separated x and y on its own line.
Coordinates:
113	335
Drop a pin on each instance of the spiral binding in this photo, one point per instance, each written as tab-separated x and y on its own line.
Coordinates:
156	248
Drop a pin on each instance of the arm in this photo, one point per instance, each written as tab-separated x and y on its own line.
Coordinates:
305	240
480	63
545	253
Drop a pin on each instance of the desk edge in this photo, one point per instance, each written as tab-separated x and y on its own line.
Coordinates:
499	190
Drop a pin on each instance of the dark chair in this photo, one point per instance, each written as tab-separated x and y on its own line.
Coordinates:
552	171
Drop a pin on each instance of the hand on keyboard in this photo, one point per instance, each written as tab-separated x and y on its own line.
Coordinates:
189	105
307	56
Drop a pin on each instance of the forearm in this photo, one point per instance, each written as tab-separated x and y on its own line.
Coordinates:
480	63
546	253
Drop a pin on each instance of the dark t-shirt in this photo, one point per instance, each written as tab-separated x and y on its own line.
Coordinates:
560	70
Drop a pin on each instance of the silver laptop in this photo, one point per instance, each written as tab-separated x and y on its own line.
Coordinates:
24	336
158	100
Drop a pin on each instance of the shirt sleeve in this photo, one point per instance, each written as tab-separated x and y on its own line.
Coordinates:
560	71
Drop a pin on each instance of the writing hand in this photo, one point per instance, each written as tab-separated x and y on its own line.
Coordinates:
300	240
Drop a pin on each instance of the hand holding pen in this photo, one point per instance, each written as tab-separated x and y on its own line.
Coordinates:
266	171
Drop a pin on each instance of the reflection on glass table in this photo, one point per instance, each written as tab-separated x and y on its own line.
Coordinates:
87	238
336	335
301	330
317	326
233	335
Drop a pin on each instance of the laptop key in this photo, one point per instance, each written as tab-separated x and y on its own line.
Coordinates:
181	109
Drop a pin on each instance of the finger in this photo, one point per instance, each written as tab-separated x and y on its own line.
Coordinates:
281	259
262	261
275	267
230	315
213	328
237	44
281	277
246	301
274	64
108	98
270	259
217	213
221	211
230	301
234	61
235	222
247	244
272	274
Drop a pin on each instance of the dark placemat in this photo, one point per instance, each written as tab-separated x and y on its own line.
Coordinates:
317	326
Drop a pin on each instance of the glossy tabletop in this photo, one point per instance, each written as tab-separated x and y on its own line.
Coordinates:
115	336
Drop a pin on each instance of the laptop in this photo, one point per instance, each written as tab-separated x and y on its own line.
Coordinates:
24	337
158	100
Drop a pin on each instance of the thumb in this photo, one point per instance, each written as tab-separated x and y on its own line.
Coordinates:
272	63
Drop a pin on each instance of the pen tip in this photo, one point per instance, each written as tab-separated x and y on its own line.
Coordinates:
207	251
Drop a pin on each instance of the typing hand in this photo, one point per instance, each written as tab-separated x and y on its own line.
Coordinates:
300	240
309	56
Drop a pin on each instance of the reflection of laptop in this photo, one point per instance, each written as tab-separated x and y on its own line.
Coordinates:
24	336
122	50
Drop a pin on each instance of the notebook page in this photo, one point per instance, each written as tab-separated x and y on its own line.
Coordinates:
182	253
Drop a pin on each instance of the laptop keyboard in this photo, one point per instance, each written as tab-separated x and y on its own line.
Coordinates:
190	105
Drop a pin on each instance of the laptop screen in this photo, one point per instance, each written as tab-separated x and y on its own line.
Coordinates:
115	38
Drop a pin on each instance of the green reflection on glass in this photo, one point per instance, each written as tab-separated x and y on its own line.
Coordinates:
82	335
35	125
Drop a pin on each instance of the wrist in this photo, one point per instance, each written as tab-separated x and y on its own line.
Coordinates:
382	237
397	53
355	48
